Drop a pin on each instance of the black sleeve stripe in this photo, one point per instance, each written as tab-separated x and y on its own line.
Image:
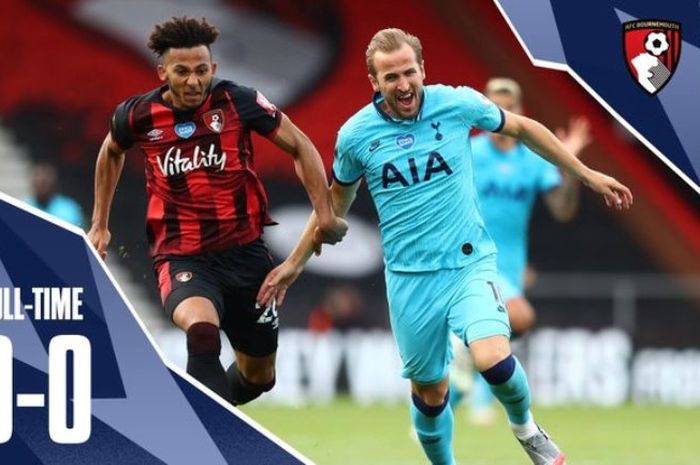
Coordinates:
344	183
503	121
261	118
278	122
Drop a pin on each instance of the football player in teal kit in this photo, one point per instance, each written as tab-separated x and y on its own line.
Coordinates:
411	146
508	178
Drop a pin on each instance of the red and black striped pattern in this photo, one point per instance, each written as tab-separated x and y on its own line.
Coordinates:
203	192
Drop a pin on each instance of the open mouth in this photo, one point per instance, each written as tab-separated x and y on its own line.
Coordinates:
405	101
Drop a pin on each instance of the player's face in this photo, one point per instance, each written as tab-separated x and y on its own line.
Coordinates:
507	101
400	80
188	73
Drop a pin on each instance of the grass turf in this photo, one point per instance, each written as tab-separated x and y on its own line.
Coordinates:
344	433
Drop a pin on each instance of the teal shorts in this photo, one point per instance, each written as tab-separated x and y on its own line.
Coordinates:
424	307
508	289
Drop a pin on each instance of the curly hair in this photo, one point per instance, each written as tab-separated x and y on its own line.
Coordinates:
181	32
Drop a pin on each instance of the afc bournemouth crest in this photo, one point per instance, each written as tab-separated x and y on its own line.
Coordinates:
214	120
652	51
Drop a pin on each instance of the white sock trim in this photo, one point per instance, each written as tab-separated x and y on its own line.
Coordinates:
526	430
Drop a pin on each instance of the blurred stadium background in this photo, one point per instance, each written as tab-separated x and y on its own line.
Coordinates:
618	295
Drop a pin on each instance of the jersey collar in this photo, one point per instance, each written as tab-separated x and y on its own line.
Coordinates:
378	98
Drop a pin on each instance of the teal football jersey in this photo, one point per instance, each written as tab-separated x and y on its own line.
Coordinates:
419	173
508	184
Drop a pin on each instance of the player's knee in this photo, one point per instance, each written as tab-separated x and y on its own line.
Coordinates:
262	377
256	370
521	316
430	404
522	324
500	372
203	338
433	395
488	352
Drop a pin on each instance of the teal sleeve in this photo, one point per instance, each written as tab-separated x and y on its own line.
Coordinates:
347	169
480	111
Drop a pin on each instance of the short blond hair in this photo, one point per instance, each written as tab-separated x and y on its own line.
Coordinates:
390	40
503	85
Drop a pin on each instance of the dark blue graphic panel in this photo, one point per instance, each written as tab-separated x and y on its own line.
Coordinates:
587	37
108	383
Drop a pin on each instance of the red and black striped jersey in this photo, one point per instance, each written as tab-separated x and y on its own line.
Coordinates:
203	192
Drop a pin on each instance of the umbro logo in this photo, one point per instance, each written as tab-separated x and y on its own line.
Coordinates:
155	134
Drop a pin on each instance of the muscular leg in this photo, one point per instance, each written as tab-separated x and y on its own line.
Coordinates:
508	382
433	420
250	376
505	375
200	321
521	316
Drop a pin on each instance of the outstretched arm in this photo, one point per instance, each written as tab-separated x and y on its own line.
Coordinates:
110	161
542	141
309	169
278	280
562	201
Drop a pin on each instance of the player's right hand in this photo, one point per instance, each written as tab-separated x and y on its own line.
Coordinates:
616	194
276	283
99	237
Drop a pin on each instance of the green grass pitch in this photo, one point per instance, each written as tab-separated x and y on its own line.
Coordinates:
344	433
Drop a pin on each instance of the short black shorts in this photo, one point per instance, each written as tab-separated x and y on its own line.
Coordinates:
230	279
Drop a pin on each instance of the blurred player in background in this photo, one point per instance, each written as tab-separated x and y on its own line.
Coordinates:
411	145
45	196
340	310
509	177
206	206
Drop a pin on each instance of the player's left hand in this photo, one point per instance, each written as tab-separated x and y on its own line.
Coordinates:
615	193
276	283
577	136
331	231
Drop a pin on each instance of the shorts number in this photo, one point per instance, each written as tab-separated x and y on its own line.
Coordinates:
496	291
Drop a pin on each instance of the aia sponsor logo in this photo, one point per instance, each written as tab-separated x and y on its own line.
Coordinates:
652	51
174	162
214	120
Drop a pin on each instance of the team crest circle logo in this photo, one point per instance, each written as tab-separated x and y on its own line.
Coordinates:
183	276
652	51
214	120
